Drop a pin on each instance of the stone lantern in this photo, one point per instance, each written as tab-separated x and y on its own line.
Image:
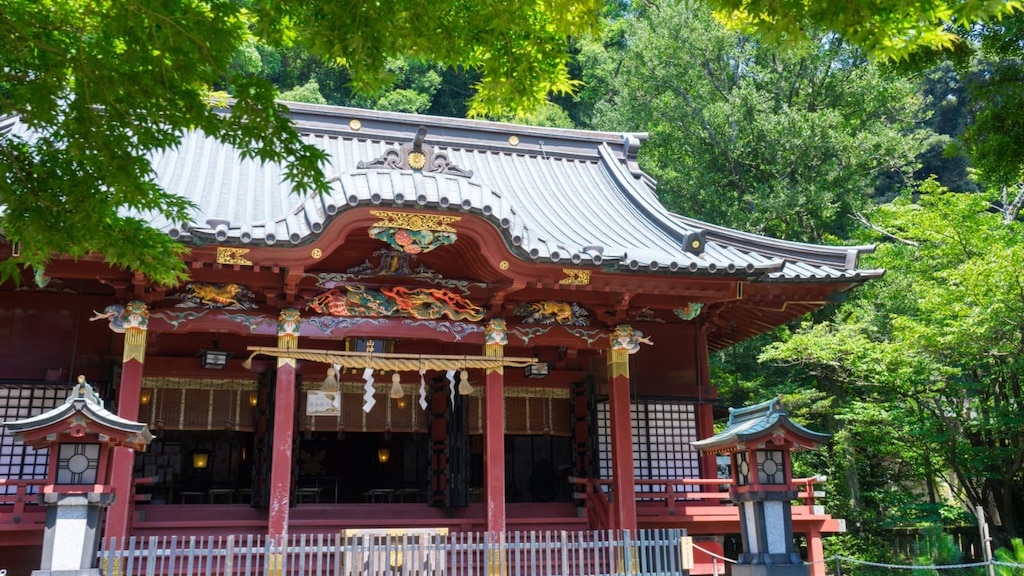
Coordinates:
759	440
81	435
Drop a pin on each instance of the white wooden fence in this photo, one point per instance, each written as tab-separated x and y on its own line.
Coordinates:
400	553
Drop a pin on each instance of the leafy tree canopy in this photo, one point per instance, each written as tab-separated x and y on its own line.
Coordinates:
934	349
994	139
888	29
103	84
783	144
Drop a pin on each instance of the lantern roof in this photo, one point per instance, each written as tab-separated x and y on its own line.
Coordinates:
81	414
764	423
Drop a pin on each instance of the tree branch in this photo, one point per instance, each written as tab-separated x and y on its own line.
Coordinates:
863	220
1011	209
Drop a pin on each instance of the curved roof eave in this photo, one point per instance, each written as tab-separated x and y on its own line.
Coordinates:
841	257
711	258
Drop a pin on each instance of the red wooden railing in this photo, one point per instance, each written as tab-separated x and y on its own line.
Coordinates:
24	493
671	495
659	501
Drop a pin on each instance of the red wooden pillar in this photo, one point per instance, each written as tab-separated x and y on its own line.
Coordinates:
706	429
815	551
281	442
623	339
135	321
494	429
705	410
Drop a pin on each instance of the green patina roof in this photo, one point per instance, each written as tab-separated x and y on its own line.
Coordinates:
760	422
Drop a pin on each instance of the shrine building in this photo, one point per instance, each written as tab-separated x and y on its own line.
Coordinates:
482	327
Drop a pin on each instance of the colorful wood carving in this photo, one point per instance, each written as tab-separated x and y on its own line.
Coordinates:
422	303
624	337
392	263
691	311
552	312
288	323
494	334
217	296
135	315
414	233
369	270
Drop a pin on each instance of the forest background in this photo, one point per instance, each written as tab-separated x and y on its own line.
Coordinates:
822	124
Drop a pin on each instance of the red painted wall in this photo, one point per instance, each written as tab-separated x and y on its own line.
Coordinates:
665	369
44	333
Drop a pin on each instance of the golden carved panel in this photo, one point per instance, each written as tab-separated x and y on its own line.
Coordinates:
227	255
575	277
413	221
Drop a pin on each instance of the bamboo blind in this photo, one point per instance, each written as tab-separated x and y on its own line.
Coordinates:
212	404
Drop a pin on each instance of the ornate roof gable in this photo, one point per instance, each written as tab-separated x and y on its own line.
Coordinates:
416	155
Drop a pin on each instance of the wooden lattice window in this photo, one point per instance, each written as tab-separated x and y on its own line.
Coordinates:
771	467
742	468
662	432
18	461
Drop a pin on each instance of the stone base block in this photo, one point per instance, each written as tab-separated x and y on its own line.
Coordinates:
771	570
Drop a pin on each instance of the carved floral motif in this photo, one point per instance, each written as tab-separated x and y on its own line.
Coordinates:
229	255
575	277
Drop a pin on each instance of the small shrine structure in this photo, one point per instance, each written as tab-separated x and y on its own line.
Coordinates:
759	440
81	435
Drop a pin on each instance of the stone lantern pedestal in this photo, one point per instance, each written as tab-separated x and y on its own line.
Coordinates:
81	435
759	440
74	521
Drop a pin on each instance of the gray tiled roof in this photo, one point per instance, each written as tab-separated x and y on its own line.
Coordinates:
82	399
565	196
